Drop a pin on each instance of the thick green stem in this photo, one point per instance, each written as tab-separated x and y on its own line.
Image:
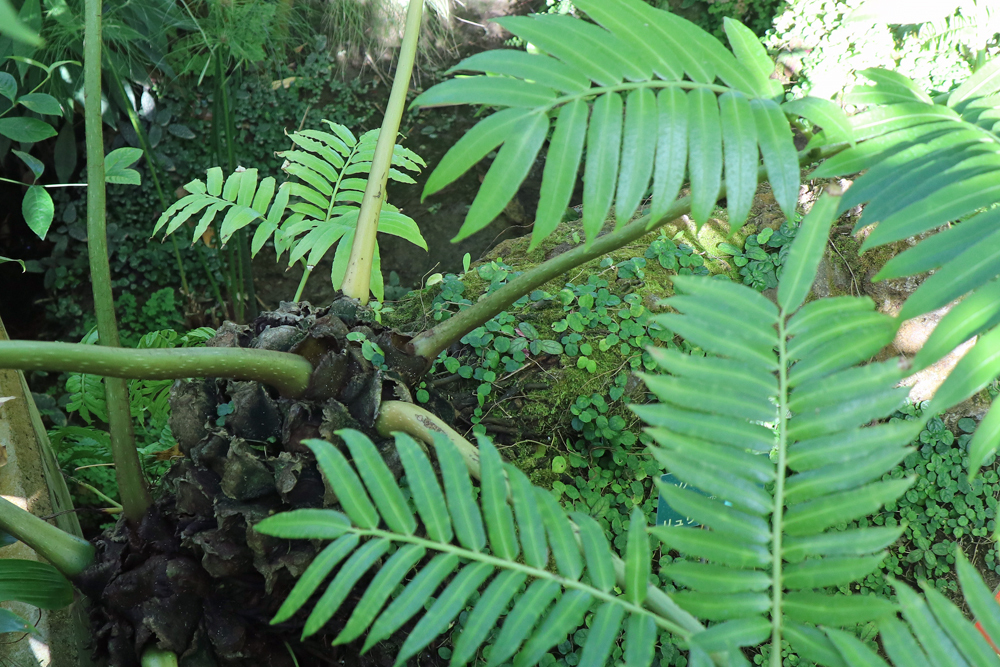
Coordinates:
430	343
286	372
357	280
131	484
69	554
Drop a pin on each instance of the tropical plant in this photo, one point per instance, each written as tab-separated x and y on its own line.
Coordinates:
770	546
771	426
324	213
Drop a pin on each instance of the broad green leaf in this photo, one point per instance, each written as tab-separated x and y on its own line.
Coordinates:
637	556
390	574
856	542
738	632
815	483
315	574
231	188
597	553
940	648
725	337
853	650
640	640
592	51
722	606
566	615
845	446
488	90
969	641
604	138
36	166
237	217
34	583
506	174
836	610
458	490
882	147
561	538
812	644
817	315
412	599
348	575
715	370
951	202
730	400
12	26
712	56
978	312
985	440
711	513
8	85
305	524
263	197
483	617
977	595
704	153
750	53
975	266
211	210
816	515
41	103
826	114
493	497
38	210
397	224
214	180
735	432
522	619
9	621
671	150
604	630
947	245
427	495
716	547
637	152
900	645
716	578
850	413
380	482
562	166
25	129
869	382
868	338
739	137
985	81
311	162
444	610
823	572
778	149
529	519
539	68
974	371
882	120
626	21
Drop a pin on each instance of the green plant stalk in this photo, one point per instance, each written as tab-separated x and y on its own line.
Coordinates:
306	272
128	472
247	309
69	554
430	343
288	373
421	424
211	278
779	496
357	279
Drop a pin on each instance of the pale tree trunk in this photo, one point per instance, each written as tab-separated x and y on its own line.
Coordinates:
30	478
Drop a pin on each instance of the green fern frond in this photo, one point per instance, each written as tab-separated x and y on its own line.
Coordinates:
329	172
455	549
663	94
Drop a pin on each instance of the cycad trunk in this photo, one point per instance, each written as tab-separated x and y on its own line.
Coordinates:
194	577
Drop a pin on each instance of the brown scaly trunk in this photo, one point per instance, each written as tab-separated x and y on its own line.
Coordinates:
194	577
